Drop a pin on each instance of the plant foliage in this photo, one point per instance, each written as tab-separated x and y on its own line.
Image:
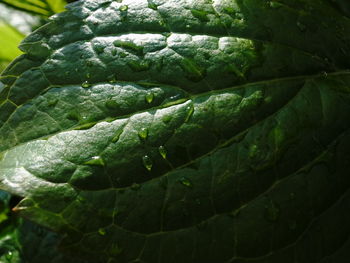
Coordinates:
184	131
43	8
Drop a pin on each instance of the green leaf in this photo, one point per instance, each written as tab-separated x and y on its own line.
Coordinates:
184	131
43	8
10	39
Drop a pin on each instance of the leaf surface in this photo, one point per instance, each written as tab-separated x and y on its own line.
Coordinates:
43	8
184	131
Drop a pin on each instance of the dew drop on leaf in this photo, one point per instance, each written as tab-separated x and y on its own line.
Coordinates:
102	231
149	97
274	4
152	5
73	115
272	212
123	8
117	135
200	15
111	104
166	119
135	186
234	213
143	133
115	250
9	256
147	162
186	182
162	151
52	102
85	84
99	49
139	66
96	160
112	79
190	111
301	26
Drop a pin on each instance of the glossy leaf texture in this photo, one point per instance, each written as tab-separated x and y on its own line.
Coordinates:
184	131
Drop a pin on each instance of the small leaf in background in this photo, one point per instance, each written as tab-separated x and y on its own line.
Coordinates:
10	38
43	8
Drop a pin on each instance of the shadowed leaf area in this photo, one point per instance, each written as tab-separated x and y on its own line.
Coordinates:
184	131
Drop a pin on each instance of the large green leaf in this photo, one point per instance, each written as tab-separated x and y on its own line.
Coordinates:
184	131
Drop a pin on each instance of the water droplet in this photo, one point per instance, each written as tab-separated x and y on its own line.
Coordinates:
115	250
162	151
73	115
152	5
89	63
123	8
143	133
85	84
139	66
96	161
112	104
271	211
253	150
112	79
117	135
52	102
9	256
234	213
147	162
190	111
149	97
102	231
186	182
123	54
135	186
166	119
192	70
99	49
274	4
85	126
292	196
301	26
200	15
132	47
81	199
